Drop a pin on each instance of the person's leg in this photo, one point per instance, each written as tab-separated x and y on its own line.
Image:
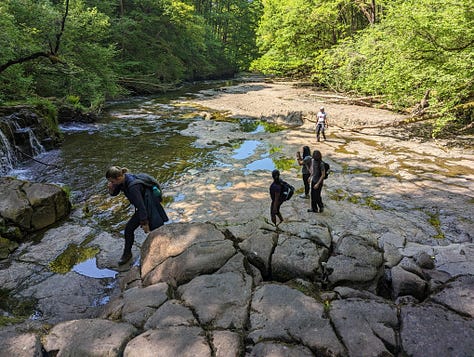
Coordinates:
132	224
318	129
272	214
314	205
279	214
306	185
318	199
323	129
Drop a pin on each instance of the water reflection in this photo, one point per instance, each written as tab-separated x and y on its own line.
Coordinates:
89	268
246	149
262	164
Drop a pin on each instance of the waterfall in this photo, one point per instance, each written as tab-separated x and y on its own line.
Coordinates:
8	158
35	145
10	148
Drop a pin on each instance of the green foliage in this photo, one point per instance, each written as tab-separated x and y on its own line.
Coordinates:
292	32
412	47
418	46
48	112
84	66
105	43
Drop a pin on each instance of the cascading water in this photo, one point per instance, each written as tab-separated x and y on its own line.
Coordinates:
34	144
8	158
11	153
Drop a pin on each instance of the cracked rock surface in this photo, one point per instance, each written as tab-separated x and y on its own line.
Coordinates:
386	270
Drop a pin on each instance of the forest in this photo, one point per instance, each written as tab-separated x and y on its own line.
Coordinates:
412	56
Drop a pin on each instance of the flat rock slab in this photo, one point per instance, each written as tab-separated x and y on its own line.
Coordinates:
19	344
89	337
219	300
282	313
430	330
171	313
140	303
279	350
366	327
295	257
66	297
355	260
180	341
458	295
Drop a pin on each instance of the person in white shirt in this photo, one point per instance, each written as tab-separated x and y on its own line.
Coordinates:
322	123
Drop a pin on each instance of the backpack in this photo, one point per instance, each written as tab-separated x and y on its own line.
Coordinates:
327	169
287	191
149	182
152	197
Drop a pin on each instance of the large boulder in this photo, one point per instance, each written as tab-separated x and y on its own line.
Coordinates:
355	261
283	313
179	252
31	206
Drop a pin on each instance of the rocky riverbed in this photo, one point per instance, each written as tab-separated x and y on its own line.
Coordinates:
386	270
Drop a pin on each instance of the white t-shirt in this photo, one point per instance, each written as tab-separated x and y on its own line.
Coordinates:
321	117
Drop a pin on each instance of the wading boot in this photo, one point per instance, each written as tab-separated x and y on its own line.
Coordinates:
125	258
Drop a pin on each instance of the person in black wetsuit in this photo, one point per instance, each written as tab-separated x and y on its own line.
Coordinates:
119	180
304	160
275	194
317	178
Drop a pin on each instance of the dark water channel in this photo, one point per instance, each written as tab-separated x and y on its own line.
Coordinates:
142	135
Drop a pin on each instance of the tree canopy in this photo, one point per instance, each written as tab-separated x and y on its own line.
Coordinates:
402	50
91	50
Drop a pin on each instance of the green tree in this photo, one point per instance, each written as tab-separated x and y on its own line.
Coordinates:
419	46
293	32
55	50
234	24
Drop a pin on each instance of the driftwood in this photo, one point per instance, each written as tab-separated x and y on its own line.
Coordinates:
147	86
420	108
367	101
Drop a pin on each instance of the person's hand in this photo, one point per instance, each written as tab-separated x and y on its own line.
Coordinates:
146	228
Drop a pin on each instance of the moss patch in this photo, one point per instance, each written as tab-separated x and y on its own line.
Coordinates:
71	256
433	219
370	202
18	309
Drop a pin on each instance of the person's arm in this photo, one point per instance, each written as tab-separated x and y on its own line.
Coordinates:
299	158
321	178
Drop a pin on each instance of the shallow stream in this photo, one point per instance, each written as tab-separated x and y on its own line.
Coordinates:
143	135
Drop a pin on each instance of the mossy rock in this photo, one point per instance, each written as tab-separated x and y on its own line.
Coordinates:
7	247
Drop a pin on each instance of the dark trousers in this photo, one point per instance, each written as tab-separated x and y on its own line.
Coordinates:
274	214
306	183
319	129
316	200
132	224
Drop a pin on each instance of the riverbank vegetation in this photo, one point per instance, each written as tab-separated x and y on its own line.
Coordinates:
414	56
